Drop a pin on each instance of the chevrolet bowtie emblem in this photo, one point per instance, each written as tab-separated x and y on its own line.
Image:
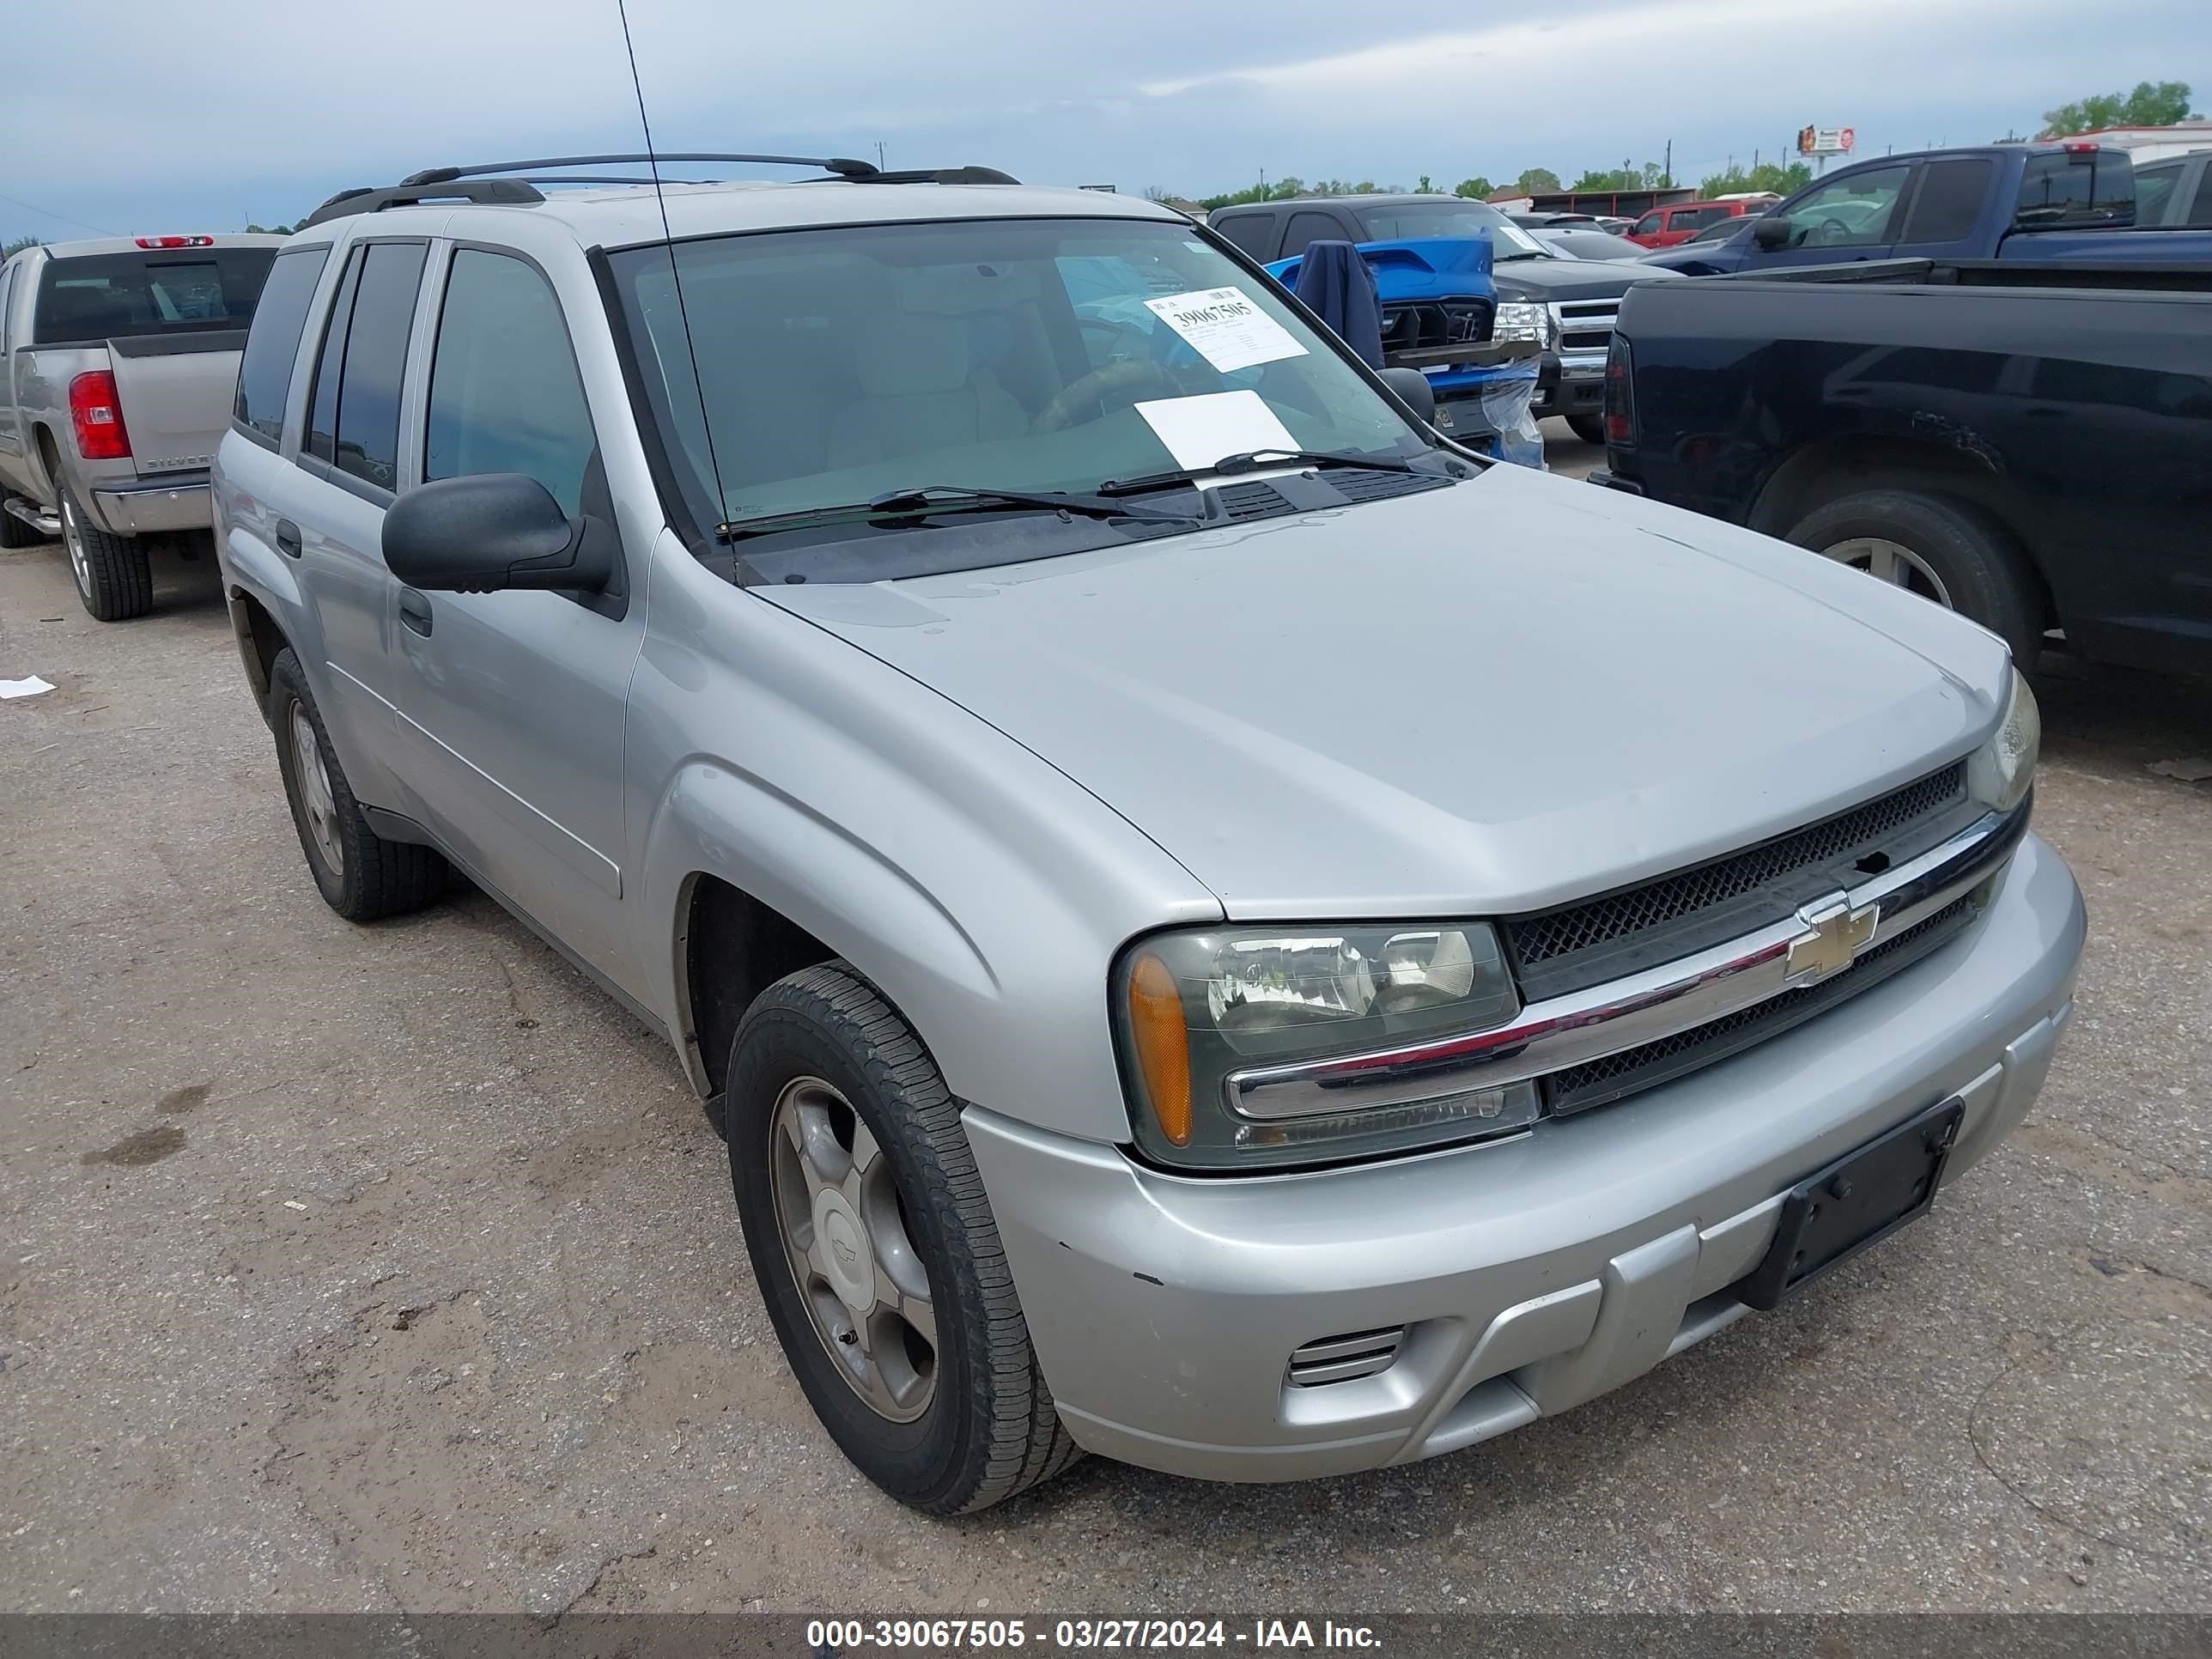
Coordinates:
1835	934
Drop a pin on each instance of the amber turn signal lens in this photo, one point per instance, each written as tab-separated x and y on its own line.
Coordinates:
1162	1043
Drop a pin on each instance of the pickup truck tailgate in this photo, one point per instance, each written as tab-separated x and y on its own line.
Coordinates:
176	393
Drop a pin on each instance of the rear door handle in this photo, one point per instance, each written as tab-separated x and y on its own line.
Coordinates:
415	610
288	539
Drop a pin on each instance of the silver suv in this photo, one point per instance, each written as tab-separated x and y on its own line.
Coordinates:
1218	929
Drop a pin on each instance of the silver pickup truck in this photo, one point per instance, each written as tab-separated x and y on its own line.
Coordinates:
121	364
1218	929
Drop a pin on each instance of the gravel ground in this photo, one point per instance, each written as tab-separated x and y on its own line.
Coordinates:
396	1267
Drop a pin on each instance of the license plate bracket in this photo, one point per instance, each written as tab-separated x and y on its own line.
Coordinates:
1855	1203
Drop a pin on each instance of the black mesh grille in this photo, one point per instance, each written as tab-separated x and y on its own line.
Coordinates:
1898	826
1597	1081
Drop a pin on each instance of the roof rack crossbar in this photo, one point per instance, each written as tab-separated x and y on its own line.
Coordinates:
513	192
843	167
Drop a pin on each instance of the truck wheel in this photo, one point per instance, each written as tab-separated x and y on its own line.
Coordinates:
112	577
15	532
875	1249
1590	429
1949	551
361	875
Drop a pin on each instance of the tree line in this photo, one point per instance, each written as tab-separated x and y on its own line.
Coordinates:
2151	104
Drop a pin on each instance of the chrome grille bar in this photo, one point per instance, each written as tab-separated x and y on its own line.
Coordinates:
1646	1008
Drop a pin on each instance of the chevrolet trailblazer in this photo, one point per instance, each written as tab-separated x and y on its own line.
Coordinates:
1218	929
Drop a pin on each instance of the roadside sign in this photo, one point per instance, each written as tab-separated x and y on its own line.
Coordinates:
1826	140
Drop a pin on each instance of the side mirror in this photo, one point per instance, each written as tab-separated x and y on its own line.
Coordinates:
493	532
1413	391
1772	232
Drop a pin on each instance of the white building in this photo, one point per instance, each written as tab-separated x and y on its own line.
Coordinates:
2153	143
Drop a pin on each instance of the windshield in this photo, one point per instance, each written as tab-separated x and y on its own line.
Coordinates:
842	363
111	296
1399	221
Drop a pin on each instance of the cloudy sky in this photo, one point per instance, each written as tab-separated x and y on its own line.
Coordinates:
131	115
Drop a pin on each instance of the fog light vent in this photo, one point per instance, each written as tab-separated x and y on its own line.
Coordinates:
1341	1358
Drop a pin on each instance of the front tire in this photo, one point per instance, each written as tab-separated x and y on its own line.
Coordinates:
1942	549
361	875
875	1250
113	576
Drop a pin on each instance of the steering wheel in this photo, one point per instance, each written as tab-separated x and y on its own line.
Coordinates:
1821	238
1127	380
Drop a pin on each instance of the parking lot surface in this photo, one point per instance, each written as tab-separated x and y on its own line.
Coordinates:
396	1266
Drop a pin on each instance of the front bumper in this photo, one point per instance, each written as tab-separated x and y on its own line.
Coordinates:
153	508
1571	383
1530	1274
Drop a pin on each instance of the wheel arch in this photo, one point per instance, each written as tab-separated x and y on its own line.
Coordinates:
260	638
730	946
1962	469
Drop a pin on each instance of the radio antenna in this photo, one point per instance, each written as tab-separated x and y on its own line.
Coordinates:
675	275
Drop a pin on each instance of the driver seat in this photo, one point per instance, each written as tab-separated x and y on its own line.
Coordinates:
918	392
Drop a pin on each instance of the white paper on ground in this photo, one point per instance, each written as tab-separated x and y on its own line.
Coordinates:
1225	326
1215	425
32	686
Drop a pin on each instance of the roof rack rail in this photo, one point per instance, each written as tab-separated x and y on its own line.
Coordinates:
858	173
513	192
477	184
841	166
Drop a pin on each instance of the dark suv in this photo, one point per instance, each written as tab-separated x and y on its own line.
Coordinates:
1577	299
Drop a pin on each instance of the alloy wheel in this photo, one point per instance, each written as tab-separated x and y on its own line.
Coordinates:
1893	562
845	1236
315	795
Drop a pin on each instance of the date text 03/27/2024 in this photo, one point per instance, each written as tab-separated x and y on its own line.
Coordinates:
839	1636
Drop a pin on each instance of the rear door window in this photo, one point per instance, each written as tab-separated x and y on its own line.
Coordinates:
375	358
1307	229
321	440
118	296
2200	203
1949	203
1249	233
504	393
2154	188
264	375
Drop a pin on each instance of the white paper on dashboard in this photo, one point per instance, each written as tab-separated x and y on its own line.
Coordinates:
1225	326
1201	430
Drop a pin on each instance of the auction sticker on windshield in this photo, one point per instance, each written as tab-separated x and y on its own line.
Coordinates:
1226	327
1199	431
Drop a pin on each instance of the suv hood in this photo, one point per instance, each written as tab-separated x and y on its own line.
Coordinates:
1476	700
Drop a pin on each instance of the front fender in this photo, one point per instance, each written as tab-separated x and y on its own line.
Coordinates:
982	891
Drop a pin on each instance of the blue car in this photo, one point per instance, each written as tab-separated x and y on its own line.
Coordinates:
1438	304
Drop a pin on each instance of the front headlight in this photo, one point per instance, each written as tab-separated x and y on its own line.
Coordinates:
2003	769
1522	319
1216	1026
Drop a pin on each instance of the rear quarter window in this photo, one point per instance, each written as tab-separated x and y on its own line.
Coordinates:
120	296
264	375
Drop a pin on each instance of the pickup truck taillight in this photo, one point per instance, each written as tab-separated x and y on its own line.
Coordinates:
1620	395
97	414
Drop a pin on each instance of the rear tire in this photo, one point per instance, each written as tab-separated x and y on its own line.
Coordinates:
113	576
14	533
361	875
1945	549
1590	429
941	1405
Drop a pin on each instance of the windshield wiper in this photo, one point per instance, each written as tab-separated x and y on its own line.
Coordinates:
933	501
1252	460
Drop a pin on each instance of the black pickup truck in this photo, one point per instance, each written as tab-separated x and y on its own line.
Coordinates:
2029	444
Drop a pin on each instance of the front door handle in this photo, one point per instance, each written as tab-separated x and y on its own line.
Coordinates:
415	610
288	539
